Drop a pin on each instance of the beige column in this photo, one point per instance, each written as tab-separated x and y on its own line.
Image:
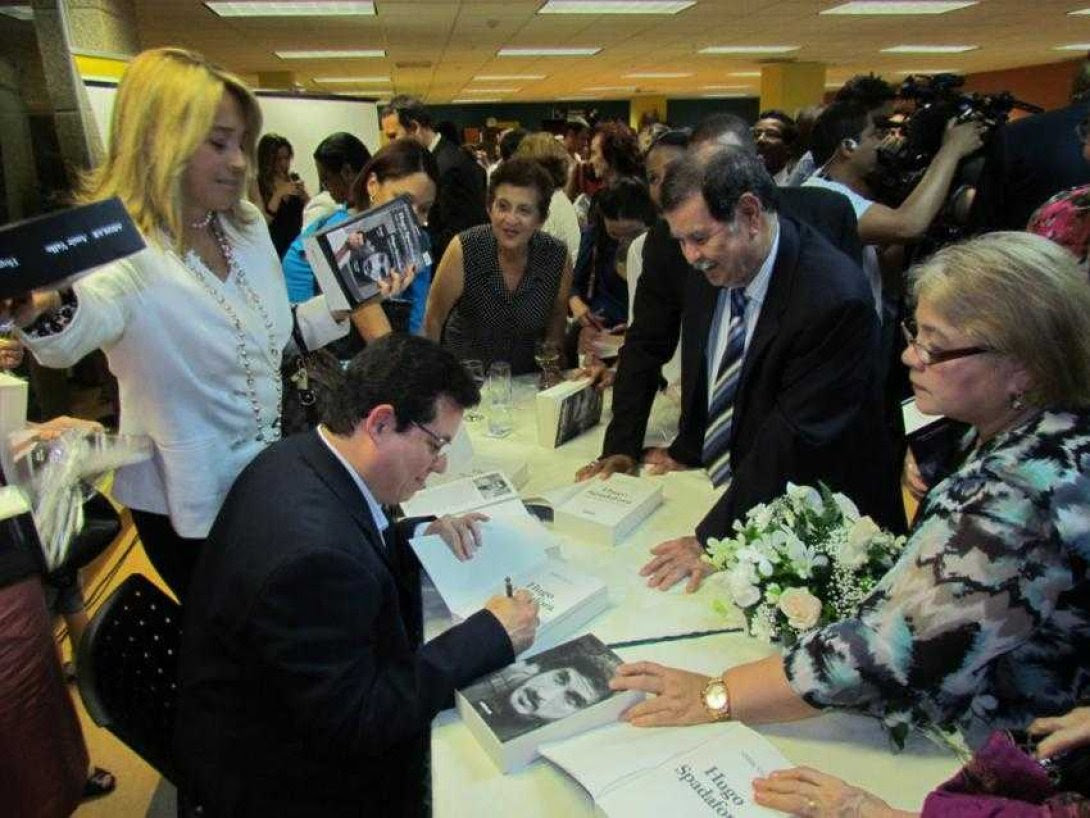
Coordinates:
790	86
638	106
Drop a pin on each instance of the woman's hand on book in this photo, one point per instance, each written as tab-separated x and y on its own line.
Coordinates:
675	560
518	616
461	534
678	695
812	794
25	309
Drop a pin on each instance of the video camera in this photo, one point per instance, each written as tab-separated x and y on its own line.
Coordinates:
903	159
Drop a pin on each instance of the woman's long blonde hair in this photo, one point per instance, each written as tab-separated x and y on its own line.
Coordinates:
165	107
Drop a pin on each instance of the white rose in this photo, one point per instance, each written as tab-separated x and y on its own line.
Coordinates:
846	506
802	608
742	590
805	497
854	552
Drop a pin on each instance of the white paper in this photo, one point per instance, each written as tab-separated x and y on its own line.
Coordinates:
460	496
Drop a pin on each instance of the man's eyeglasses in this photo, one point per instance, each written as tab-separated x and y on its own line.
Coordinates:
438	444
929	356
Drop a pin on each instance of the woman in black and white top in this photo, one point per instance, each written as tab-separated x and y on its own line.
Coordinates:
503	286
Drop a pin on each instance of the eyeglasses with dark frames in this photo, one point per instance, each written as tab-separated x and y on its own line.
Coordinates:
929	356
440	445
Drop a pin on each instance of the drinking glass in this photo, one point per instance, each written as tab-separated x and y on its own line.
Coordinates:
475	368
547	357
499	400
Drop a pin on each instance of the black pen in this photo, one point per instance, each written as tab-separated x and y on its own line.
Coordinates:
507	587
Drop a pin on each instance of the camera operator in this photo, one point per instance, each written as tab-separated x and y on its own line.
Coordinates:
845	145
1030	160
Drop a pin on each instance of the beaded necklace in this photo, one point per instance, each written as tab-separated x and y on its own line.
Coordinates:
267	432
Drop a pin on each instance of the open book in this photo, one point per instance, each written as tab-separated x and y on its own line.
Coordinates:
516	548
349	259
478	492
567	410
706	769
557	694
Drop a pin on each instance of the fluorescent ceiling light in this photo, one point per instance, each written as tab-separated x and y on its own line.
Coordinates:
474	101
900	7
360	80
657	75
928	71
547	52
331	54
615	6
929	49
748	49
725	87
316	8
504	77
610	88
490	90
1072	47
18	12
726	96
1074	13
744	74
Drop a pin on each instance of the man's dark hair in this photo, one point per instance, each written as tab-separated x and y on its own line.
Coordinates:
721	177
869	90
522	172
626	197
340	149
406	371
789	132
716	126
840	121
673	138
510	141
408	110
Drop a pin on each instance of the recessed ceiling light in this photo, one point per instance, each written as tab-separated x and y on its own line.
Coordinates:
610	88
503	77
475	101
359	80
547	52
929	49
928	71
317	8
900	7
330	54
727	96
725	87
490	90
1072	47
18	12
748	49
657	75
615	6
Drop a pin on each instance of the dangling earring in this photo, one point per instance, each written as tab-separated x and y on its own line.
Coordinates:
1018	401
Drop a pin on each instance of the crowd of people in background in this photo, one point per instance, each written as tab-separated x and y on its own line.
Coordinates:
756	265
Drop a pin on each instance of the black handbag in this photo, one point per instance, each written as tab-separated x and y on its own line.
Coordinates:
309	379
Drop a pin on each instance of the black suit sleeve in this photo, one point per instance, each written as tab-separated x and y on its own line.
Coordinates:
649	343
459	204
822	390
315	627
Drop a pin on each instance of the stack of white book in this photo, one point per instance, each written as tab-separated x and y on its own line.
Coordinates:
559	693
567	410
515	548
608	510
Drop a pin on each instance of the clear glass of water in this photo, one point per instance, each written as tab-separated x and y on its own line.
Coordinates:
499	401
475	369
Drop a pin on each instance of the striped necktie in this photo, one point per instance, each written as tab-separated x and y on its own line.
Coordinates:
716	452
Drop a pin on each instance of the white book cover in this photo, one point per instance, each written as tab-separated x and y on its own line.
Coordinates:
557	694
474	493
608	510
519	549
566	411
633	772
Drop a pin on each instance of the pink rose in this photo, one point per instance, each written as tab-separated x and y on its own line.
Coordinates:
802	608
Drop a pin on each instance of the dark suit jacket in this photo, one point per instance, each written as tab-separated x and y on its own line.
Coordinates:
656	327
808	405
304	688
460	202
1027	162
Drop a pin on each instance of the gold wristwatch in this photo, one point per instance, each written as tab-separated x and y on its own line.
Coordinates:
716	699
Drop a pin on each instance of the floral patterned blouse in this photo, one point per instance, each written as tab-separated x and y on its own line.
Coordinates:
1065	219
984	622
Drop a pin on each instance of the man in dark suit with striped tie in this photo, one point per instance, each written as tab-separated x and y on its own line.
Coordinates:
779	355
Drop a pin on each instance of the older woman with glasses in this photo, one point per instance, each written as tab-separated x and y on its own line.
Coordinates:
984	622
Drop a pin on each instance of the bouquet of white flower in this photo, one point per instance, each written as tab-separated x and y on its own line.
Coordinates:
802	561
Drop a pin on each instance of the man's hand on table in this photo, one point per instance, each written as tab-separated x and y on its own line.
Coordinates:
657	460
461	534
518	615
678	695
675	560
812	794
605	466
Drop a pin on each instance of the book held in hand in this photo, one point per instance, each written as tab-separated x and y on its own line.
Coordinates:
556	694
936	441
517	548
567	410
351	258
704	769
608	510
55	249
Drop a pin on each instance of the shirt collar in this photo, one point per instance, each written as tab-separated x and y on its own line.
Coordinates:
377	514
758	287
434	142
